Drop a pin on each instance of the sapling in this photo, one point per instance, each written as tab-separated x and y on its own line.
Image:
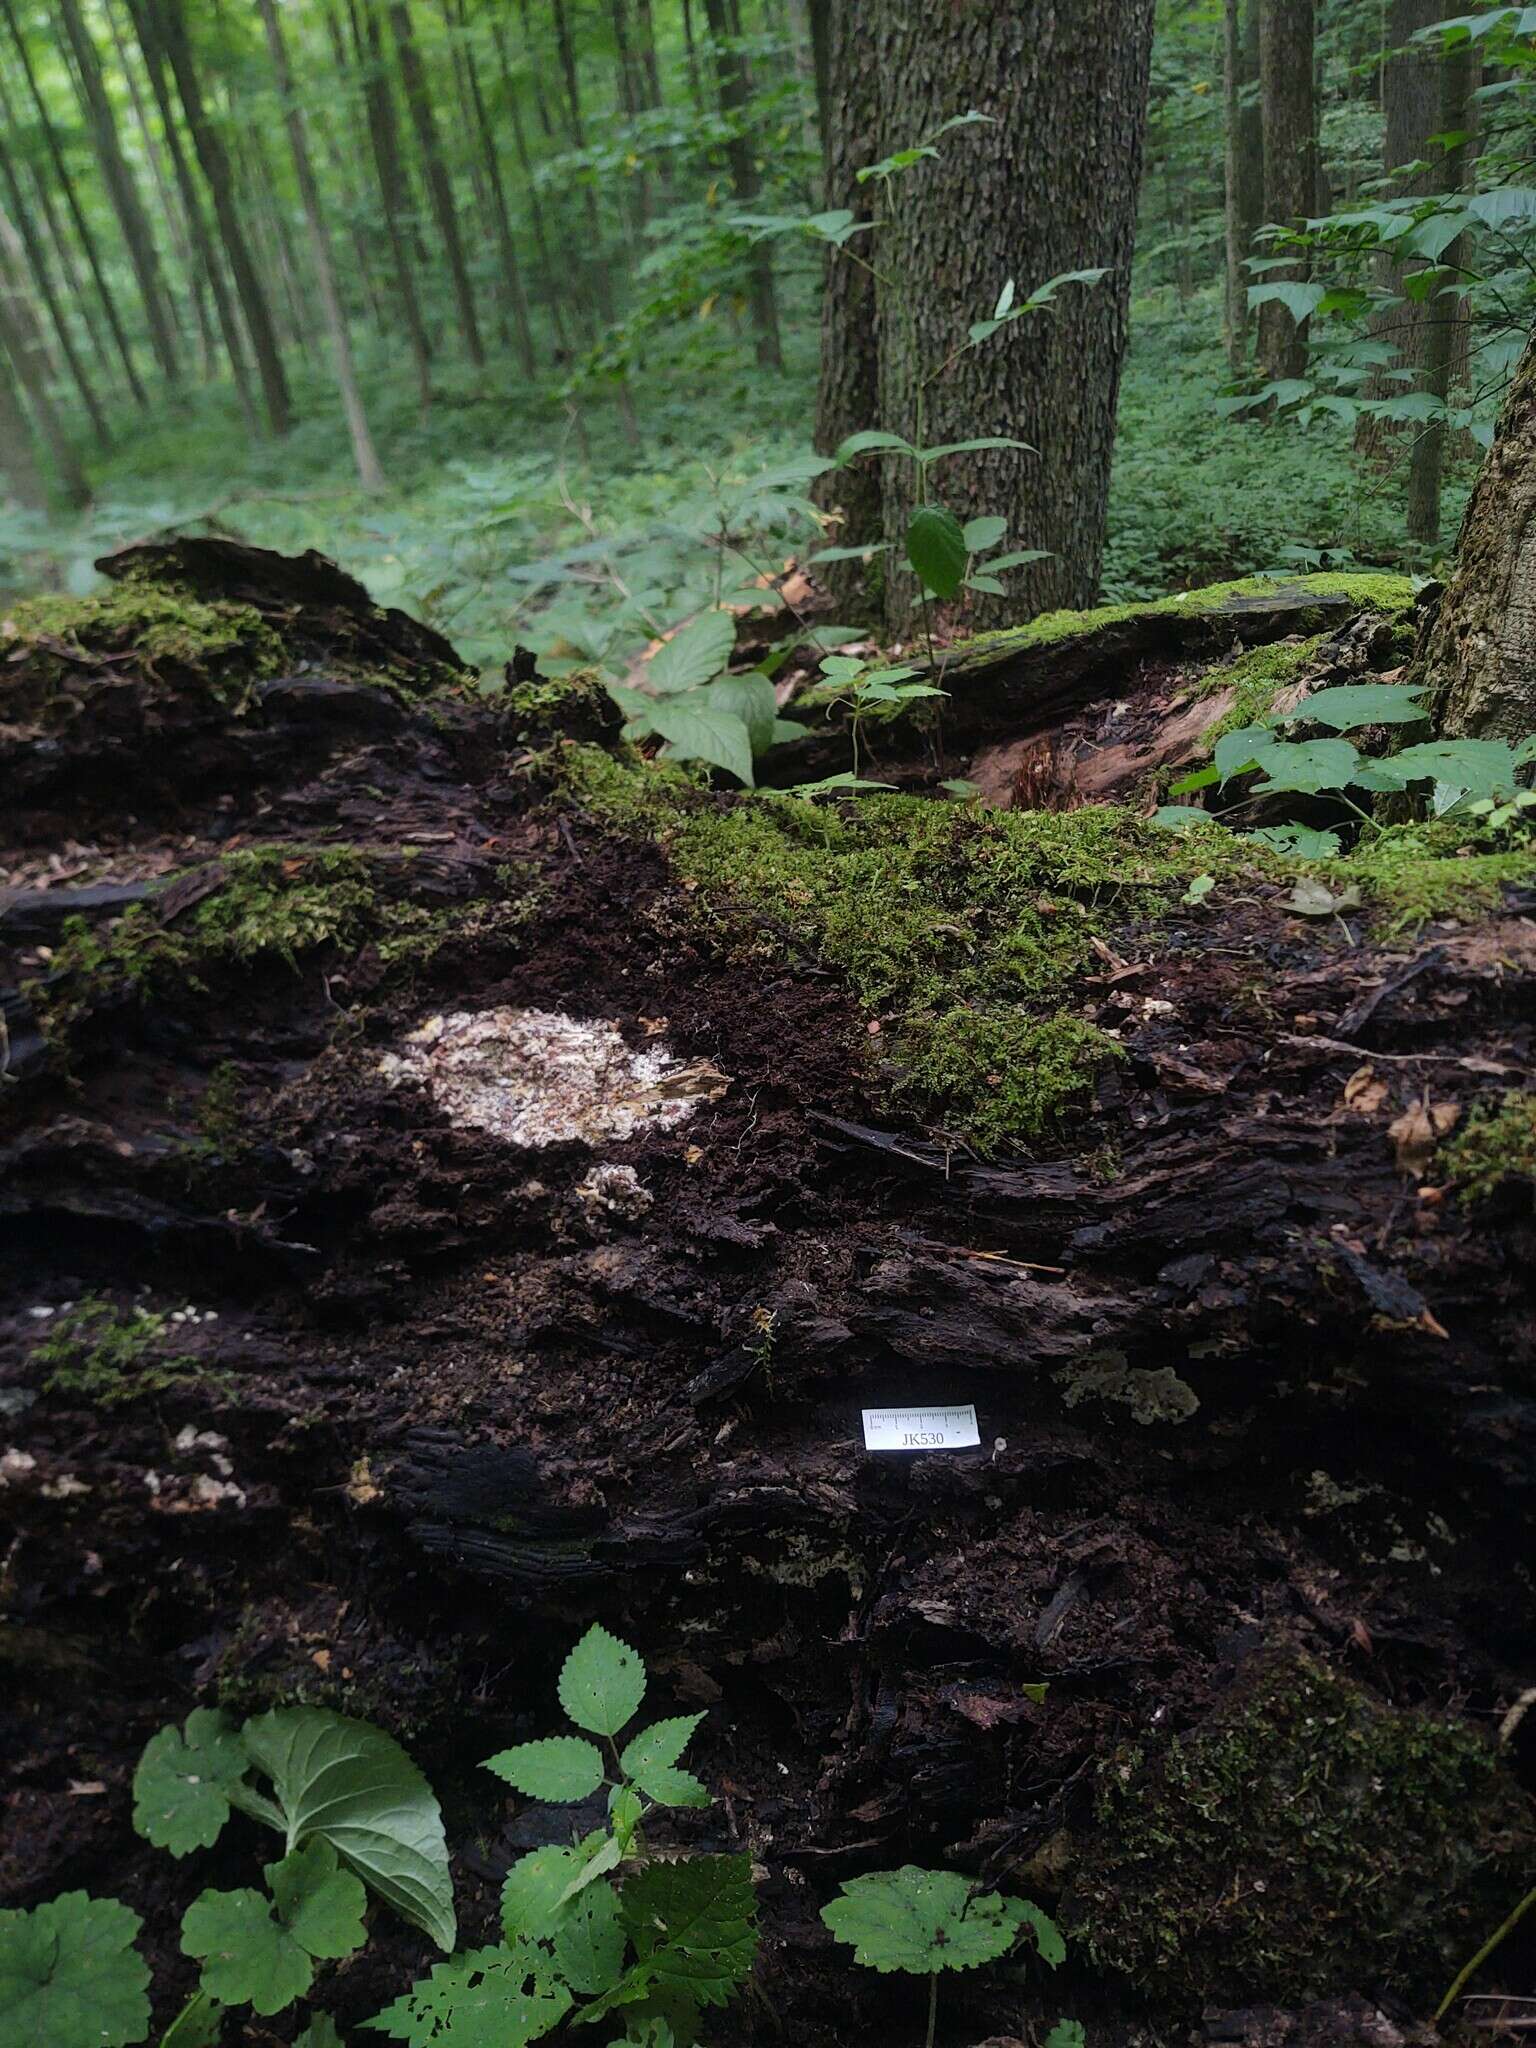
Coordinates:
924	1921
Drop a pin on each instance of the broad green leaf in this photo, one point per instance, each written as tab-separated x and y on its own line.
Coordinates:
1305	841
1198	778
1235	751
1016	558
1004	301
749	698
634	704
957	785
607	1856
987	585
829	785
1301	301
1307	767
320	1904
869	440
561	1768
485	1998
1352	705
787	729
983	533
936	549
1481	767
694	655
1180	817
659	1746
70	1976
589	1940
181	1789
692	1926
322	2032
248	1957
920	1921
1066	2034
352	1784
1199	889
672	1787
1047	1934
626	1810
699	733
972	447
1044	293
602	1682
1504	204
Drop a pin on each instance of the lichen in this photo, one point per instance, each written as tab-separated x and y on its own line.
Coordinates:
1310	1840
959	930
1495	1145
1152	1395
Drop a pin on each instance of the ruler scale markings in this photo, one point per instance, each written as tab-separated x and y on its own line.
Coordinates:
941	1427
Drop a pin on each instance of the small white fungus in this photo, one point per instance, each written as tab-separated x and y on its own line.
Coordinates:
538	1077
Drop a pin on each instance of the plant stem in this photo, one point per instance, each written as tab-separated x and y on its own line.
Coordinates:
1476	1963
933	2006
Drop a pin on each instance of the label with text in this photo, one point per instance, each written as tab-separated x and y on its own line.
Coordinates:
920	1429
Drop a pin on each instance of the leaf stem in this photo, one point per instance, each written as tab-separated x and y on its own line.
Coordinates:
933	2006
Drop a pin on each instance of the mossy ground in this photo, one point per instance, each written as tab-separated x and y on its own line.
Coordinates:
1314	1841
108	1356
959	930
1497	1144
169	634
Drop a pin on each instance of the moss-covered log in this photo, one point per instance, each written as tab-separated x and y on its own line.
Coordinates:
459	1178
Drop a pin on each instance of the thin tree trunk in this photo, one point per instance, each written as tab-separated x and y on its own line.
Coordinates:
419	99
145	27
26	363
1290	166
171	35
600	287
1441	332
548	285
1244	166
384	139
122	190
170	212
370	475
18	458
731	82
1479	659
532	47
76	212
695	76
517	297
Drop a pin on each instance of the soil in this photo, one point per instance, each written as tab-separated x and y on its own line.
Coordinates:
1252	1397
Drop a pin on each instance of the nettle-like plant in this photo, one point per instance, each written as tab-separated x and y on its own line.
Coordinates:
604	1926
1472	778
355	1815
923	1922
702	713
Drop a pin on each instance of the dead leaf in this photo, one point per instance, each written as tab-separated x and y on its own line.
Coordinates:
1315	899
321	1659
1418	1130
1365	1092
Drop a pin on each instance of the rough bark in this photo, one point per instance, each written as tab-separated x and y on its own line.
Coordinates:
418	99
732	85
1049	185
171	32
369	473
1480	657
1286	36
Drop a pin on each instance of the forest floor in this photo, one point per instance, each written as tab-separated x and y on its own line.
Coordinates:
316	1387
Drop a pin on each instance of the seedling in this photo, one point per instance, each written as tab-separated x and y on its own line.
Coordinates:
870	693
924	1921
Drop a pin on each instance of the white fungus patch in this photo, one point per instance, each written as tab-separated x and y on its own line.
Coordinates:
614	1191
539	1077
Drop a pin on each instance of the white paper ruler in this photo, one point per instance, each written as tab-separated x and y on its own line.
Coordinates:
920	1429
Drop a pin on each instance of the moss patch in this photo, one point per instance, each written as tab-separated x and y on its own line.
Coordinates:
1419	873
1313	1841
1496	1145
169	635
960	930
1258	676
107	1356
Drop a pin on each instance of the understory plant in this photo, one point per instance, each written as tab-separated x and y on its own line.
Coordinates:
922	1922
607	1927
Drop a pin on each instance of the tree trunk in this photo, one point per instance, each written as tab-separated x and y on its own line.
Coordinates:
553	294
1479	660
1050	185
384	139
731	81
1290	165
30	373
170	31
511	272
1244	165
42	277
418	98
122	190
18	460
1444	330
170	211
369	474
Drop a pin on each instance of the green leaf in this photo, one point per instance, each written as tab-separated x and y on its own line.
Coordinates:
533	1889
561	1767
589	1941
869	440
694	655
1301	301
1236	751
660	1745
320	1904
354	1786
1044	293
1198	778
1481	767
1305	841
672	1788
602	1681
936	549
70	1975
1180	817
606	1856
1306	768
987	585
830	784
1352	705
626	1810
322	2032
1004	301
248	1958
1047	1934
983	533
924	1920
859	554
697	732
972	447
1066	2034
1199	889
692	1928
485	1998
957	785
199	2024
181	1789
749	698
1311	898
1016	558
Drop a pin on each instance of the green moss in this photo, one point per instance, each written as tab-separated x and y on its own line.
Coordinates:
1310	1842
1418	873
576	707
108	1356
169	635
1495	1145
1258	676
959	929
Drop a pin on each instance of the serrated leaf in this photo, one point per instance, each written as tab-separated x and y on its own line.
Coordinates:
70	1975
1306	768
1305	841
1048	1941
672	1787
936	549
1234	752
1066	2034
626	1810
920	1921
560	1767
607	1856
533	1889
984	532
693	656
602	1682
698	732
248	1958
181	1788
353	1785
1352	705
1480	767
692	1929
660	1745
485	1998
589	1940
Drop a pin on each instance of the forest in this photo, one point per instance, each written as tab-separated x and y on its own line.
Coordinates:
767	1023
